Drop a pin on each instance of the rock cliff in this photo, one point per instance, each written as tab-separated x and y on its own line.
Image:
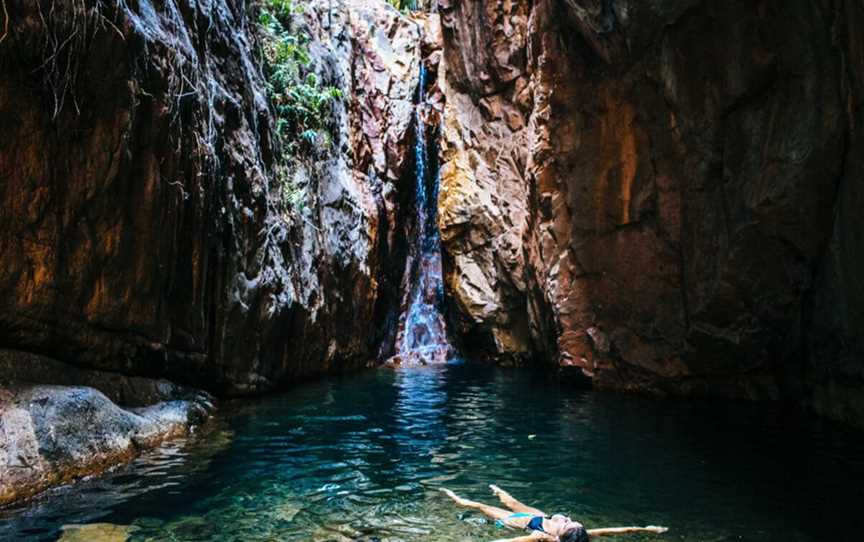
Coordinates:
659	193
146	233
652	195
143	229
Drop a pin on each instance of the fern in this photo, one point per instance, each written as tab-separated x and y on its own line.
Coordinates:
303	106
404	5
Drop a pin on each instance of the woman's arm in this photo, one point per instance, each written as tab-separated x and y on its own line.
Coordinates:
533	537
624	530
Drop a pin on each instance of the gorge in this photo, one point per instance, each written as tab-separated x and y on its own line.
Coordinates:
209	200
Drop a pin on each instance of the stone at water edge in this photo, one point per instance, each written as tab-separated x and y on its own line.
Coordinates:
53	435
438	355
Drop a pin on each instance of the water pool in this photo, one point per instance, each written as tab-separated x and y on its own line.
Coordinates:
361	458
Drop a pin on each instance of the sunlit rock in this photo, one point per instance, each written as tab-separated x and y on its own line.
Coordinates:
96	532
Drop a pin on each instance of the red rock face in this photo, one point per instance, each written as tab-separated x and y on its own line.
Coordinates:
141	230
658	193
661	194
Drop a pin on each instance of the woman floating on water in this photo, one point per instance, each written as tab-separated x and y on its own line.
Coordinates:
557	528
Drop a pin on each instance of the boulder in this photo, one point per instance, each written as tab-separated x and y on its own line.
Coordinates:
52	435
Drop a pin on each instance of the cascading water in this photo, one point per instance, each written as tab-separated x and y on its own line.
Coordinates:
422	336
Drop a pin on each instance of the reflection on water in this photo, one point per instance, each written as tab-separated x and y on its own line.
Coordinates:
361	458
419	408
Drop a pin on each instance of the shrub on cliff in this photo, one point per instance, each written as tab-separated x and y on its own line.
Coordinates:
404	4
303	105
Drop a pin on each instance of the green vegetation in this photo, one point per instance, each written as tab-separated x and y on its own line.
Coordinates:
404	5
303	106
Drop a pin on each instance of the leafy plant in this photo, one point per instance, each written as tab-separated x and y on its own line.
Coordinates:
291	194
404	5
303	105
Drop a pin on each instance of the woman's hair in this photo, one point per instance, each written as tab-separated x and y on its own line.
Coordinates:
574	534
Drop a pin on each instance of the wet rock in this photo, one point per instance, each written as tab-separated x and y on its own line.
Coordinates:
421	357
144	232
347	271
51	435
421	336
97	532
645	191
130	391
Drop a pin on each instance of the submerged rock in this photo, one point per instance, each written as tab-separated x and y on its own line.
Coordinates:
96	532
51	435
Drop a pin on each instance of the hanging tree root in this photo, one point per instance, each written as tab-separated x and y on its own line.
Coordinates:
5	21
69	31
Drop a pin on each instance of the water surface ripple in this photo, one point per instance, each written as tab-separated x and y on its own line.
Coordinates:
361	458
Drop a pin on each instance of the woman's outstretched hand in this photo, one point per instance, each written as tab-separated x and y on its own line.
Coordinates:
610	531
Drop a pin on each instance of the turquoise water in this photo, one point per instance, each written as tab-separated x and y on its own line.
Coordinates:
360	458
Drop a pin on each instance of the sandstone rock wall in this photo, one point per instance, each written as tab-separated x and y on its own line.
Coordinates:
142	231
659	193
484	204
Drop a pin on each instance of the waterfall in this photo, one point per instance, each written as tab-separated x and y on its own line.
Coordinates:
422	335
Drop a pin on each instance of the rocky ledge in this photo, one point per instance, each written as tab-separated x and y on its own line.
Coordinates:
52	435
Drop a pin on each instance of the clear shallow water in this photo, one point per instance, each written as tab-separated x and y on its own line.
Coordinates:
361	457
